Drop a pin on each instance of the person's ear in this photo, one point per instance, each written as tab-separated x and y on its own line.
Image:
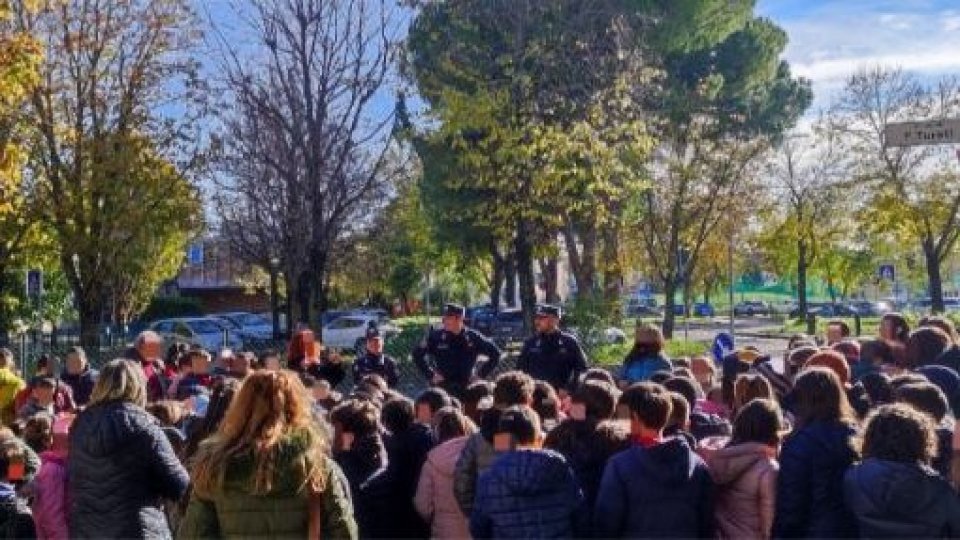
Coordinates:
538	442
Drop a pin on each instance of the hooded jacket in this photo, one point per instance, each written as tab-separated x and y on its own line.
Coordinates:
231	511
434	500
903	500
662	491
81	383
527	494
810	485
50	497
745	476
477	456
16	522
121	468
639	368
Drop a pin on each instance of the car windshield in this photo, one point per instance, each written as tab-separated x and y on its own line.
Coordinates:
249	319
204	327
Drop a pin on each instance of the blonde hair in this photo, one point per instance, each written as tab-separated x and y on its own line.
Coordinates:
270	406
120	380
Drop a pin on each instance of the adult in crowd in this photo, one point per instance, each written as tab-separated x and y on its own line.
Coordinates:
552	355
646	357
79	376
894	328
121	464
894	492
375	361
265	473
305	354
454	350
147	351
814	459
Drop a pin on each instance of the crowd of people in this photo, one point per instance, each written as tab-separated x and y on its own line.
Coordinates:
852	438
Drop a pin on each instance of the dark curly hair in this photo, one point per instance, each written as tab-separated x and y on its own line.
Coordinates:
900	433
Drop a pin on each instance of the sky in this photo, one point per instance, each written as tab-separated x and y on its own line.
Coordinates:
830	39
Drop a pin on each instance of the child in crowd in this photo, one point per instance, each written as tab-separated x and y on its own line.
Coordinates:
745	472
434	500
359	450
429	402
894	493
546	403
527	492
49	488
407	443
16	520
41	399
198	380
659	487
477	399
929	399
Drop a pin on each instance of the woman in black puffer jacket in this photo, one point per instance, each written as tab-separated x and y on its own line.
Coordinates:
121	465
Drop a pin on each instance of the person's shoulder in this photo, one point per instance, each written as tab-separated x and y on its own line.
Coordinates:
568	337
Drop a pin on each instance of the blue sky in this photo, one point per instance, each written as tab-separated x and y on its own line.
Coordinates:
829	39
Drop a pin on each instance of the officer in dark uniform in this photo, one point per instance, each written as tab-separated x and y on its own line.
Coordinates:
552	355
375	362
454	350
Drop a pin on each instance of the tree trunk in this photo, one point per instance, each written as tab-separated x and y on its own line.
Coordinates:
525	276
587	280
549	267
89	312
935	281
802	278
4	312
497	281
670	291
510	277
612	270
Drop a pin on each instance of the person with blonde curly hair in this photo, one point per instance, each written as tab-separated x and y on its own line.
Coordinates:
265	472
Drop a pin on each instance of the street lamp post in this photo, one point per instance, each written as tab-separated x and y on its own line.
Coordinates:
274	297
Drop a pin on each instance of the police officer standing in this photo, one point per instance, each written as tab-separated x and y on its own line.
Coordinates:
552	355
375	362
454	350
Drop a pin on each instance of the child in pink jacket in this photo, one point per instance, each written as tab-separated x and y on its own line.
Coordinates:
50	485
434	500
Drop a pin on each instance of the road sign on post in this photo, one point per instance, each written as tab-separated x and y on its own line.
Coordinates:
34	284
943	131
888	272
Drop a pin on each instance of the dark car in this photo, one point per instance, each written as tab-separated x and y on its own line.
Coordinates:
826	310
751	308
643	307
703	309
507	327
481	318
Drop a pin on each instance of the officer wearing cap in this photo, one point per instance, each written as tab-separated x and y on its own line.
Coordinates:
552	355
454	350
375	362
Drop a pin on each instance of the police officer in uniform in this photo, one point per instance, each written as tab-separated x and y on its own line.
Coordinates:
552	355
375	362
454	350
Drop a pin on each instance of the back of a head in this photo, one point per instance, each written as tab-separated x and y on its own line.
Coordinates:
876	351
683	386
750	386
599	374
650	403
797	341
943	323
268	403
948	380
521	423
899	433
878	388
6	358
513	388
168	412
758	421
38	432
356	416
849	349
435	398
925	345
899	325
120	380
798	357
476	392
679	411
598	398
398	415
833	361
820	397
926	398
376	380
546	402
449	423
648	340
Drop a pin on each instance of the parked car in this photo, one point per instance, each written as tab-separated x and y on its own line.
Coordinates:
703	309
871	309
642	307
329	316
205	332
350	331
247	325
481	318
826	310
752	308
507	327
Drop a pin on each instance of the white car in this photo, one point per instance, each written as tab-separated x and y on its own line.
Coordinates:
247	325
350	331
202	331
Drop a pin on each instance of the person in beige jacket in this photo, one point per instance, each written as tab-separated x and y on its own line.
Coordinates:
745	470
434	500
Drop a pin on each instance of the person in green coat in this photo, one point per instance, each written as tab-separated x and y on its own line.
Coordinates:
265	473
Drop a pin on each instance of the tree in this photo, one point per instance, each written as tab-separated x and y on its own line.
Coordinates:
914	190
304	159
811	182
117	81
